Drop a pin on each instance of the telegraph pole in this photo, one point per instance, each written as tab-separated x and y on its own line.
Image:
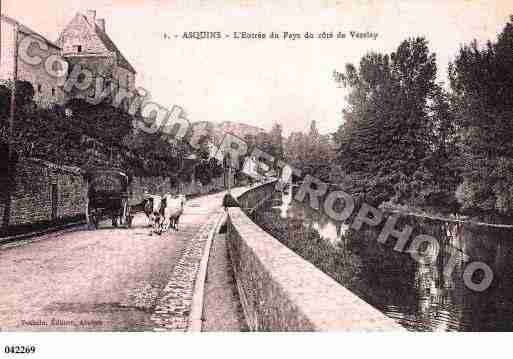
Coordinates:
10	133
0	33
229	179
13	94
226	170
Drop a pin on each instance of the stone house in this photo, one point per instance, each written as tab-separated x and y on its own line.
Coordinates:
85	41
48	88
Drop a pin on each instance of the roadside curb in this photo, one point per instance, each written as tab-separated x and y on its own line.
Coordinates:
18	237
198	297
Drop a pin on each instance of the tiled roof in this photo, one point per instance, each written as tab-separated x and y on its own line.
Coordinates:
26	30
109	44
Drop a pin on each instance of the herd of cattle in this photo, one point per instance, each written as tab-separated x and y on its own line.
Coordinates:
164	212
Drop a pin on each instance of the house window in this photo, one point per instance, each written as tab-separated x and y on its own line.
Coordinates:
39	88
77	48
53	91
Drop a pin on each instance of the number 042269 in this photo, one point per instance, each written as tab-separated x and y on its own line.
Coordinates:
19	349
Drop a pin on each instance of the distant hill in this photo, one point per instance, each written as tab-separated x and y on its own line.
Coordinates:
219	130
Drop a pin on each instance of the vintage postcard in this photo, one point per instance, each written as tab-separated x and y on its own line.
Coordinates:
251	166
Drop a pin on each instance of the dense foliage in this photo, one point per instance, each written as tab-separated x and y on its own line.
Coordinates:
312	153
82	134
482	83
407	139
385	141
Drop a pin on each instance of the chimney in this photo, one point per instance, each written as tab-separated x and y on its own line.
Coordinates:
101	24
91	16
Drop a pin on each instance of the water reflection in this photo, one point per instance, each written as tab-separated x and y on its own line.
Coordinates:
422	297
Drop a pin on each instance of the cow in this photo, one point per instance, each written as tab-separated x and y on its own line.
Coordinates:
183	200
172	209
152	209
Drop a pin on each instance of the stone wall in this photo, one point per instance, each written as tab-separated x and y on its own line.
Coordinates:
124	78
45	192
47	88
280	291
98	53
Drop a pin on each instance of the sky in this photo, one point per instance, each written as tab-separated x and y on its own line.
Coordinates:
261	82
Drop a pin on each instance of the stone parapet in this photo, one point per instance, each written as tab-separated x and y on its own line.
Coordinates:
280	291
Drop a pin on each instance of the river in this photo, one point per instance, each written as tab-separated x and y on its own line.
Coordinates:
421	297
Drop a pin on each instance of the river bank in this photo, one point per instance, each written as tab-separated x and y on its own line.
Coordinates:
433	215
480	219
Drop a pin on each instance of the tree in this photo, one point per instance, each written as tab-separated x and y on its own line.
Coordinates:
24	98
482	82
25	95
103	121
296	150
443	156
385	138
312	153
276	138
5	103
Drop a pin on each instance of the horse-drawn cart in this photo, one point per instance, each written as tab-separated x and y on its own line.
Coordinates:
109	195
